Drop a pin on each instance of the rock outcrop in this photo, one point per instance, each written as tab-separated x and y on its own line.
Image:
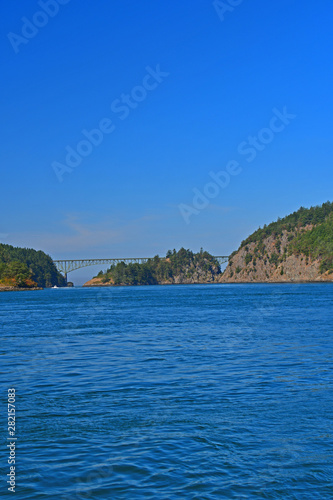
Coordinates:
298	248
97	282
250	265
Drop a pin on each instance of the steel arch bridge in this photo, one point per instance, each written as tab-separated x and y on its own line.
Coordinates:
67	266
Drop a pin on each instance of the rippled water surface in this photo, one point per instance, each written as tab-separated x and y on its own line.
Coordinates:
197	392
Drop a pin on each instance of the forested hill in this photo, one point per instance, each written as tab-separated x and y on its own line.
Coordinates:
183	266
298	247
27	268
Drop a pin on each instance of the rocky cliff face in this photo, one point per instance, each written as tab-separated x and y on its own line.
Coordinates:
194	274
97	282
272	261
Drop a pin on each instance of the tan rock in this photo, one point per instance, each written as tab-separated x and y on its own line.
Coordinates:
261	269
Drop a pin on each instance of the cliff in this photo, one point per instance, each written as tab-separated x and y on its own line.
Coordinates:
296	248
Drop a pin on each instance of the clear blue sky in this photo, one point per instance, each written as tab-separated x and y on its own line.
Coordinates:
224	79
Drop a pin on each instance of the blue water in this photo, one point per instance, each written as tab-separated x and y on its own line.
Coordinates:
195	392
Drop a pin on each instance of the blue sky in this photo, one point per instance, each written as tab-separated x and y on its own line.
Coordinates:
221	80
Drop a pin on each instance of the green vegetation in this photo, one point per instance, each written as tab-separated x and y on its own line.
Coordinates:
274	259
315	242
294	221
180	267
248	258
27	268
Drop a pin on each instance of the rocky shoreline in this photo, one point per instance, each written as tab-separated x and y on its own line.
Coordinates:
98	284
17	289
95	282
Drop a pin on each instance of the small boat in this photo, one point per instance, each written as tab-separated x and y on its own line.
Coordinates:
55	286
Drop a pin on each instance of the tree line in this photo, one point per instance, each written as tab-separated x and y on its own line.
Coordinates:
26	267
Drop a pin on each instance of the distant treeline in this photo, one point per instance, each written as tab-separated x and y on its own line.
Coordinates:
25	267
316	242
181	266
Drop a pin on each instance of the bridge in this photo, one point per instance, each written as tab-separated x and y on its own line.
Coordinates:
67	266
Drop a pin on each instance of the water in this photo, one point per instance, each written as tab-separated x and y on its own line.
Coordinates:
195	392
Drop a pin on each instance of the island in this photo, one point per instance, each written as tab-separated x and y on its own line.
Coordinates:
27	269
182	267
